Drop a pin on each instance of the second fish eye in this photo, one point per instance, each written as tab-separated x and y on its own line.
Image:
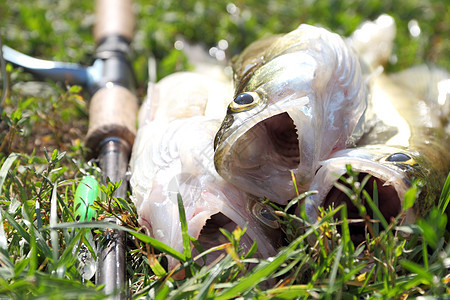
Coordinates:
401	158
244	101
398	157
266	215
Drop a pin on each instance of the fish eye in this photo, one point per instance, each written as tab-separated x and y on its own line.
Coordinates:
401	157
266	215
398	157
244	101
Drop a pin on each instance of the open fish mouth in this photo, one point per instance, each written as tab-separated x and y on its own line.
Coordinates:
284	139
260	223
211	236
260	160
261	226
274	138
391	169
389	205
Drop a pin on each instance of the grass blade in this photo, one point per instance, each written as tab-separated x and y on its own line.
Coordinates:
260	274
427	277
5	168
67	256
3	239
206	286
163	292
32	255
184	228
289	292
263	271
141	236
444	199
53	222
376	211
156	266
411	195
346	239
335	267
20	230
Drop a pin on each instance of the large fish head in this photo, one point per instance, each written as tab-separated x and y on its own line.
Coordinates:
209	204
305	100
176	158
391	168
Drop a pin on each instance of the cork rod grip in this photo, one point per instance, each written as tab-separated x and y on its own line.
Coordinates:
112	112
113	17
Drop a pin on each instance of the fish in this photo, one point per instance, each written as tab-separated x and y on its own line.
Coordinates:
173	153
407	141
298	98
393	156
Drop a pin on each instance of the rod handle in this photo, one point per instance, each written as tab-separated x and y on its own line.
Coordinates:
112	112
113	18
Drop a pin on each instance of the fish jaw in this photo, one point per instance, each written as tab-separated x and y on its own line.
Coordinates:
393	180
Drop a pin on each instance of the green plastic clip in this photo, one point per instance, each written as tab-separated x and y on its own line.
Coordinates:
85	195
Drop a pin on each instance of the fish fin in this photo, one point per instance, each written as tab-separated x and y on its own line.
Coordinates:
373	40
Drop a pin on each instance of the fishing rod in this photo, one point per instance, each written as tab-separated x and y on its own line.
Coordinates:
112	116
112	123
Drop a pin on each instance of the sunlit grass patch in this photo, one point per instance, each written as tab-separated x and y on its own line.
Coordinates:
43	159
319	261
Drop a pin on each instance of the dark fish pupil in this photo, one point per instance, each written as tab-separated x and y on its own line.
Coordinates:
243	99
398	157
266	214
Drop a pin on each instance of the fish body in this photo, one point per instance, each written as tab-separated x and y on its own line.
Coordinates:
173	153
406	141
298	98
186	94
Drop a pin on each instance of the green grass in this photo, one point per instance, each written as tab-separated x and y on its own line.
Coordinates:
43	158
409	260
36	262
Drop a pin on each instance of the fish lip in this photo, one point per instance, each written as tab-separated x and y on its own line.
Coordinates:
335	167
